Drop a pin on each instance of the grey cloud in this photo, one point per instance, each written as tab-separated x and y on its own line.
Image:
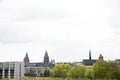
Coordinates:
24	11
115	24
11	36
114	19
31	14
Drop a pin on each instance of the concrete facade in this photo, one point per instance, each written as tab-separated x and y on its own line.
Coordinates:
12	70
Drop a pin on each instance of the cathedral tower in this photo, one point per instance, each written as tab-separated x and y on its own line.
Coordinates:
46	58
26	59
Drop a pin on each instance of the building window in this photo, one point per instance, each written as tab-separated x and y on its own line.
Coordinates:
6	65
1	70
12	67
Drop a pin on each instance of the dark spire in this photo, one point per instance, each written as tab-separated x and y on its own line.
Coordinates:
46	54
46	58
26	58
89	54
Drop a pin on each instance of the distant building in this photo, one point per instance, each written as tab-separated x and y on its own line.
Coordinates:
12	70
64	63
90	61
76	63
38	67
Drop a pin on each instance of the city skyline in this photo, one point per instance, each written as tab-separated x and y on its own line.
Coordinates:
67	29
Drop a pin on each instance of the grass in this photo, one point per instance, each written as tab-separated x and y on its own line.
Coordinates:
45	78
7	79
48	78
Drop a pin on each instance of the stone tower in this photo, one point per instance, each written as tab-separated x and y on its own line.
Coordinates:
100	57
46	58
26	59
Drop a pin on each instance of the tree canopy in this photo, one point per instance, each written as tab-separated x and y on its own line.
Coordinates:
77	72
100	70
60	70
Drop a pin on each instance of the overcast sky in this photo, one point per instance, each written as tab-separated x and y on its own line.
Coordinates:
67	29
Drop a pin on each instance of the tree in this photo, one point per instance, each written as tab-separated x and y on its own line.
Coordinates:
74	72
112	69
77	72
88	72
103	69
46	73
82	71
100	69
60	70
115	75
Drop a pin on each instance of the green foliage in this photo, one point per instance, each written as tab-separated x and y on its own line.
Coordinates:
103	69
49	78
74	72
45	78
115	75
77	72
46	73
88	72
100	69
60	70
111	68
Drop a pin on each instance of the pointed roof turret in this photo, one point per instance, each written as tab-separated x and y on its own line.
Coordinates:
26	58
46	58
46	53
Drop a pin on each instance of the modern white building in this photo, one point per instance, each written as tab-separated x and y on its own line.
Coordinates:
12	70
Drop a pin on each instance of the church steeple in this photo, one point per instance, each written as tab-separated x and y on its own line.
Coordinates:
46	58
89	54
46	54
26	59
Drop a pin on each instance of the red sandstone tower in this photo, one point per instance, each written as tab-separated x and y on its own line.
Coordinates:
101	57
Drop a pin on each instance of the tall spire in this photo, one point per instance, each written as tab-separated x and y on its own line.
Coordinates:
89	54
26	59
46	58
46	54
